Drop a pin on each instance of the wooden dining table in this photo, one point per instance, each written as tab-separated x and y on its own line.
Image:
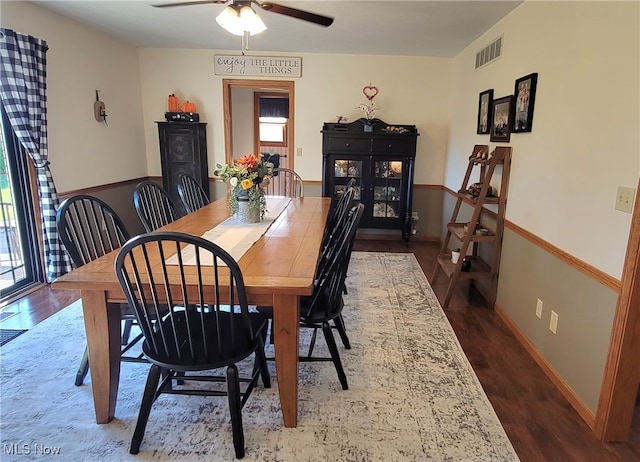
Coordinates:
278	269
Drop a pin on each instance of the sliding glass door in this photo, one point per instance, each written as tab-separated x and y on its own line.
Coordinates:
19	250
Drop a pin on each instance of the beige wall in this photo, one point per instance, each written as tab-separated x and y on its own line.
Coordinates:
585	138
242	110
412	91
564	174
82	151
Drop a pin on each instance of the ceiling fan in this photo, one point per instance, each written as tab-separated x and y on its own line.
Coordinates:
321	20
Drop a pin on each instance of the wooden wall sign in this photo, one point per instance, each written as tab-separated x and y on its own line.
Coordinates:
257	66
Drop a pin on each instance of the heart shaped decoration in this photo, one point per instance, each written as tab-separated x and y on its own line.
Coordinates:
370	92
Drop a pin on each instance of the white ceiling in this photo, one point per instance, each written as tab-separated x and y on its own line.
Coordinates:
391	27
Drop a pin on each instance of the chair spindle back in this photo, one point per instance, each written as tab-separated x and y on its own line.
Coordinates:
285	182
154	206
89	228
185	328
191	194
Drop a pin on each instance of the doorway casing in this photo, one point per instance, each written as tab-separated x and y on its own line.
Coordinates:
285	86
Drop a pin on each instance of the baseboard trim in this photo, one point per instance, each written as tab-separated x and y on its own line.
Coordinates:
424	238
583	411
364	236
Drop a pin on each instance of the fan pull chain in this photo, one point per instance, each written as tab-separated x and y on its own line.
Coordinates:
245	42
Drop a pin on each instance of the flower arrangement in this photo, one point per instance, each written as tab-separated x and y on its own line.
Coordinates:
249	175
369	110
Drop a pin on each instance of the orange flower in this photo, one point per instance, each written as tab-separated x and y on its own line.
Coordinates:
248	160
246	184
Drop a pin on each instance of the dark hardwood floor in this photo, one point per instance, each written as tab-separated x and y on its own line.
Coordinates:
37	306
538	420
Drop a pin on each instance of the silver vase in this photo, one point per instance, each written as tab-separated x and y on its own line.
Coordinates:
247	212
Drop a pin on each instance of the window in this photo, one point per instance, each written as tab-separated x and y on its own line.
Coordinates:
273	131
272	118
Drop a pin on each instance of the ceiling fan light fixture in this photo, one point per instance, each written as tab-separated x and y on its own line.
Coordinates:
251	21
240	20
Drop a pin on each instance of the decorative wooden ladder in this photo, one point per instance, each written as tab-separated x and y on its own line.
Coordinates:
473	233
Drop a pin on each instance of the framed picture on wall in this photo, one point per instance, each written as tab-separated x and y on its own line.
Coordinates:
525	97
484	112
502	119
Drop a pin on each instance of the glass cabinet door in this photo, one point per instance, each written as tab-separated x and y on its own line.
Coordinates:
387	189
345	170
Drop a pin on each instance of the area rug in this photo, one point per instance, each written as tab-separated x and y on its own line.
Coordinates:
6	335
412	394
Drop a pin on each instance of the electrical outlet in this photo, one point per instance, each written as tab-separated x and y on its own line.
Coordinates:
624	199
553	322
299	152
539	309
414	216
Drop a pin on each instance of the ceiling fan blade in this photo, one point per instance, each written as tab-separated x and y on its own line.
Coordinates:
196	2
325	21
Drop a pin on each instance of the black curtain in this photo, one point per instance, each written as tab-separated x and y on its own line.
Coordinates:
274	107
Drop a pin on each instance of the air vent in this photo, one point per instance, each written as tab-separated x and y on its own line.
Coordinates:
489	53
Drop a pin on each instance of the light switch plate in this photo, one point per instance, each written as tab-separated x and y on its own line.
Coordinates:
553	322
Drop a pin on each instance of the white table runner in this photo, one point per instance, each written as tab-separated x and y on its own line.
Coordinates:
235	238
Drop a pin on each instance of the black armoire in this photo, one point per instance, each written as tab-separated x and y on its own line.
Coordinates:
183	150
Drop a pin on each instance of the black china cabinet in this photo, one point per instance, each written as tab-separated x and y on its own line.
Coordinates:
380	161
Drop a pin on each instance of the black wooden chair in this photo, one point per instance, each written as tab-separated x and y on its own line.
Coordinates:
326	303
285	182
335	222
338	213
89	229
154	206
215	331
191	193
